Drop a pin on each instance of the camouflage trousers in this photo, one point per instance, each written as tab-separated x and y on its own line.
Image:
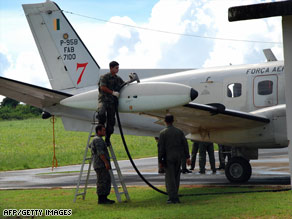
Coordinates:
106	114
103	182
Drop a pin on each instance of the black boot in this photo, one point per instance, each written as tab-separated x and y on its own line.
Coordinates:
108	201
101	199
221	167
185	171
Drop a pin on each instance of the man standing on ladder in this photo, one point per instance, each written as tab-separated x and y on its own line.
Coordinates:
101	165
109	84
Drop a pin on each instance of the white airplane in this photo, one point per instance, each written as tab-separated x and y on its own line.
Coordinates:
239	106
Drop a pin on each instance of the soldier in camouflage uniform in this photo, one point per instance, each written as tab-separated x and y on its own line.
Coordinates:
101	165
173	147
109	84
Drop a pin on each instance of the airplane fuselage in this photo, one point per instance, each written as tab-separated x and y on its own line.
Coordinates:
256	88
245	88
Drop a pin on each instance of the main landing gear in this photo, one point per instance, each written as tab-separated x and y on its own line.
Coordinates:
238	170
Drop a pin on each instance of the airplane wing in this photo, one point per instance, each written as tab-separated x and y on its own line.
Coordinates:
33	95
199	118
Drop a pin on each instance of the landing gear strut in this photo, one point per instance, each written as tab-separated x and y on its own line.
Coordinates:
238	170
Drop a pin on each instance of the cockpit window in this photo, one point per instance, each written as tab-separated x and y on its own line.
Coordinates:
265	87
234	90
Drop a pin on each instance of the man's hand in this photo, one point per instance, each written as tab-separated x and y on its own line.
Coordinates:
188	161
106	163
107	166
115	93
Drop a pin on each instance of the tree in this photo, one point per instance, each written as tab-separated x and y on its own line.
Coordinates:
9	102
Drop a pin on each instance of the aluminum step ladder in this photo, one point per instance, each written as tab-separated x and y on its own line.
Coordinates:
120	178
114	181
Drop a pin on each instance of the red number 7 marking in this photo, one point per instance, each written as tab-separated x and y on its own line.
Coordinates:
81	65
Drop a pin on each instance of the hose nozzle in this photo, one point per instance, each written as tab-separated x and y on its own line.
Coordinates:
134	77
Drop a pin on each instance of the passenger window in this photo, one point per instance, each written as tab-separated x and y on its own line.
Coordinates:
265	87
234	90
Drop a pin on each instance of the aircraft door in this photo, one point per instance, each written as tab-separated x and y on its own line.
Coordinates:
265	90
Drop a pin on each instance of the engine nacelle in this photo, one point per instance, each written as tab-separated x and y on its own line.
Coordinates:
139	97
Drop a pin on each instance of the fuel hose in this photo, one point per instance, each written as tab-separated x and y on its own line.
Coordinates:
130	157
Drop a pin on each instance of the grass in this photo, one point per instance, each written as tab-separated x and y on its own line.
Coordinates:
146	203
28	144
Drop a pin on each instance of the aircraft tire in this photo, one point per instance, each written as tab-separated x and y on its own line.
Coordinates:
238	170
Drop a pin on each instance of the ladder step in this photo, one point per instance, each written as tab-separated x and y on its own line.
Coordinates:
88	158
80	193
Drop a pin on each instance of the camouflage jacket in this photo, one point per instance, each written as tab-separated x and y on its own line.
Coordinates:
112	82
98	147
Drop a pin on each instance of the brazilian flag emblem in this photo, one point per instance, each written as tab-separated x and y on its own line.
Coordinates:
57	24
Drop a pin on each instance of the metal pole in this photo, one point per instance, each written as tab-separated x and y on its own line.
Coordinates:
287	40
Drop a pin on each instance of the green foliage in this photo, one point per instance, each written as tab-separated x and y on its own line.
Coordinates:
147	203
19	112
9	102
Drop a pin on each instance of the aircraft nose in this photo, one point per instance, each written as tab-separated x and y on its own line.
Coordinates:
194	94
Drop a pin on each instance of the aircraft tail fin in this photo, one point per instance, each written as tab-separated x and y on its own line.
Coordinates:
67	61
